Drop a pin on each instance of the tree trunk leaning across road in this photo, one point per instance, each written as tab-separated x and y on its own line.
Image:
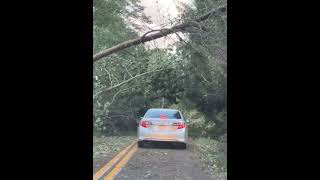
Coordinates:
160	33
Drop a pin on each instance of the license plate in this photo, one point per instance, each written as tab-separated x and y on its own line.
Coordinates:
166	128
163	127
162	136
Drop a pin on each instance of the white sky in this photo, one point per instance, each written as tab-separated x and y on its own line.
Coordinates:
160	13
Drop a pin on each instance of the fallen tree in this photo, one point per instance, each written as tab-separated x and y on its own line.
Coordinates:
158	34
106	89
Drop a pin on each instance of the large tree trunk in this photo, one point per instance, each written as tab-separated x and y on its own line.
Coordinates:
160	33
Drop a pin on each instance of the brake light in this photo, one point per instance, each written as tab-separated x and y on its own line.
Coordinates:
180	125
145	124
163	117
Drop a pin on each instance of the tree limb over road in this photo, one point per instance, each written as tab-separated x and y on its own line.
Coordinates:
159	33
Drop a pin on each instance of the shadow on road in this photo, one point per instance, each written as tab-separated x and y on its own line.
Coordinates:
163	145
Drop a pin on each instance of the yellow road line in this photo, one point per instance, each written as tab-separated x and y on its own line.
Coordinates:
111	163
123	162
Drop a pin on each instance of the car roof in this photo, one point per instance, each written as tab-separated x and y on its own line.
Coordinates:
164	109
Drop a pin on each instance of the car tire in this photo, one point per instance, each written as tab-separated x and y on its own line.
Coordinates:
140	144
183	146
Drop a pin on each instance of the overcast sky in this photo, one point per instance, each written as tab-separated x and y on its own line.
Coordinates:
160	13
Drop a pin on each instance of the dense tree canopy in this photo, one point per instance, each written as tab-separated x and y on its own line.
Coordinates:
191	76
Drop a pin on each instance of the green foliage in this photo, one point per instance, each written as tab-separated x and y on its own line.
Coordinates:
194	79
205	87
116	110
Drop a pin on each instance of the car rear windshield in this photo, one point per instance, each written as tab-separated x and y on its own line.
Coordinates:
169	114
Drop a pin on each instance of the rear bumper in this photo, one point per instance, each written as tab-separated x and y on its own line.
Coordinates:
166	140
180	136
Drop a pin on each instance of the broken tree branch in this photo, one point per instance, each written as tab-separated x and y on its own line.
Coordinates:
114	97
124	82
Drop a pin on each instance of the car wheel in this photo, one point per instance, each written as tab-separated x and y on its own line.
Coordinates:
140	144
183	146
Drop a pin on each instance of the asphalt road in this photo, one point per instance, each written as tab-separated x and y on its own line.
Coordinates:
163	161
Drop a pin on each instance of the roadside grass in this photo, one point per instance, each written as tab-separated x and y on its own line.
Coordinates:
212	154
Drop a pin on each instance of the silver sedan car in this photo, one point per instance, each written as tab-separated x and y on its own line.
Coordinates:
163	125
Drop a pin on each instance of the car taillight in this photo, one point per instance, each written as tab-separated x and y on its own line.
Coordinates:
180	125
145	124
